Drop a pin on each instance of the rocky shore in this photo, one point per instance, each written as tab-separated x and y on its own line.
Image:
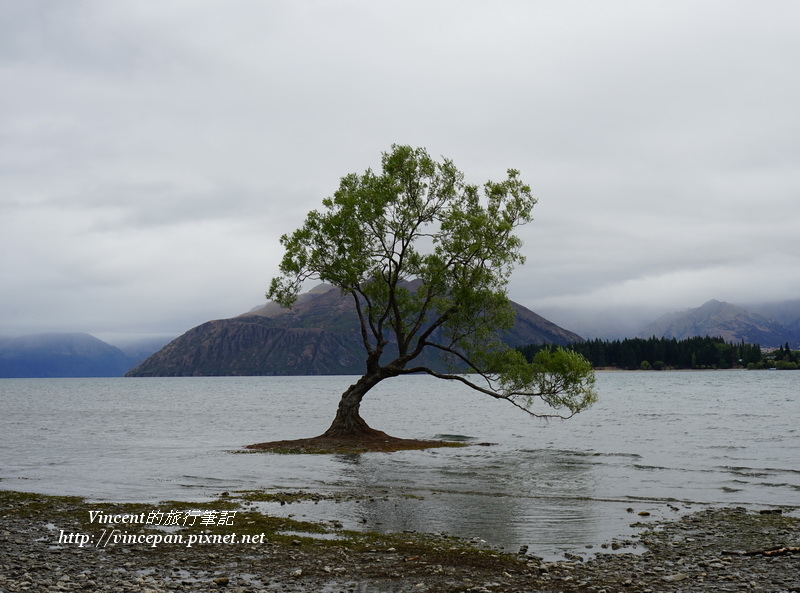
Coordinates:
716	550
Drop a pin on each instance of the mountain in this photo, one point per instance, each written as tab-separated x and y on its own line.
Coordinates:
60	355
787	313
732	322
137	350
320	335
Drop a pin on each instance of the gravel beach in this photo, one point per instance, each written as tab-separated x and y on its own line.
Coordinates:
41	549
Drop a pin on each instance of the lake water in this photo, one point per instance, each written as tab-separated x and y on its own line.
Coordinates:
654	442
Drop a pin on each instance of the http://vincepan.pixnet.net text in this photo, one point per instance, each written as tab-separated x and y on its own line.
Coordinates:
163	528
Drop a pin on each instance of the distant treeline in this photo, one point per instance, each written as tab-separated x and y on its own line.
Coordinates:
665	353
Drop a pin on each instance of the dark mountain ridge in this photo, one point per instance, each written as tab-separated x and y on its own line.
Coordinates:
767	325
320	335
60	355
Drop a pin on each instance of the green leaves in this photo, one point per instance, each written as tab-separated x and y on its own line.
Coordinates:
427	259
564	379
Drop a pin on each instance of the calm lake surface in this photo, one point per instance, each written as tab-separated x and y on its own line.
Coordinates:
654	441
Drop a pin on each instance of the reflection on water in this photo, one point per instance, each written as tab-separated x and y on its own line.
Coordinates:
654	442
481	499
503	499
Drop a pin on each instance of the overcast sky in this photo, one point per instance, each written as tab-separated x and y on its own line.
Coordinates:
151	153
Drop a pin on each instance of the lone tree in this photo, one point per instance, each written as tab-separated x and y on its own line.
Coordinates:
426	259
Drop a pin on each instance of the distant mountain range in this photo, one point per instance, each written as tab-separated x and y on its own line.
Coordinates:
770	325
60	355
69	355
319	336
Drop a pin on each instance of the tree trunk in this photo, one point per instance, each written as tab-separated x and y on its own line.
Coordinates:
348	423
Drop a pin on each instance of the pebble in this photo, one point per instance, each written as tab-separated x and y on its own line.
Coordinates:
691	554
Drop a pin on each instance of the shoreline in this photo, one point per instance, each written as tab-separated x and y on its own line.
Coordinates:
700	551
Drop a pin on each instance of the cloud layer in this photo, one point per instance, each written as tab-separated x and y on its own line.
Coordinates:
151	154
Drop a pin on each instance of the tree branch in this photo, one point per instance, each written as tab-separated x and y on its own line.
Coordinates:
507	397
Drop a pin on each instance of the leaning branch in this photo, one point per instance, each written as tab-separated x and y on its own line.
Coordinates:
509	397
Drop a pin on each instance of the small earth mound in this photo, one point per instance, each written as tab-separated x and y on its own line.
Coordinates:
381	443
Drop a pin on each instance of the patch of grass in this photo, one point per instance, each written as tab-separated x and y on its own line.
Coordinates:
221	503
408	548
284	497
28	505
76	510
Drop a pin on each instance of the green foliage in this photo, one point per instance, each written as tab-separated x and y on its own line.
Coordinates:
565	379
782	359
784	365
785	355
427	258
691	353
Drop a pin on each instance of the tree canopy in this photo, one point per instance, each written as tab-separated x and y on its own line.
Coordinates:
427	258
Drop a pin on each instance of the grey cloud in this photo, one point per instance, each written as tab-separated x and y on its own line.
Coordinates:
152	154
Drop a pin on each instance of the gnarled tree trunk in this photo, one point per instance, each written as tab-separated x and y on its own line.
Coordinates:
348	423
349	432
